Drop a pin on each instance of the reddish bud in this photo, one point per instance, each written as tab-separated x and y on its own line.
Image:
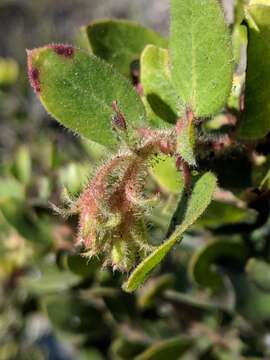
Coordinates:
118	120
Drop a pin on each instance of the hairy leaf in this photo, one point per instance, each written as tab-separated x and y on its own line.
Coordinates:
255	121
201	53
186	138
120	42
200	199
78	90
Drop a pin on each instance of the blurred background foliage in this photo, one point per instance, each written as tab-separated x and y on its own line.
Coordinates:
210	299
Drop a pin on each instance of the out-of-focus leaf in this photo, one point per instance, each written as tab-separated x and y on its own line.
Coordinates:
90	354
69	313
10	188
95	150
201	264
81	266
259	2
200	199
74	177
127	349
220	213
255	121
170	349
201	49
164	171
253	302
19	216
22	166
259	272
157	84
9	71
78	90
120	42
224	301
153	289
48	279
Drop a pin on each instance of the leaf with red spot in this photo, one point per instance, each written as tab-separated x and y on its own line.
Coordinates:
79	89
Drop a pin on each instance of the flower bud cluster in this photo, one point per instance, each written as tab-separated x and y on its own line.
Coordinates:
112	206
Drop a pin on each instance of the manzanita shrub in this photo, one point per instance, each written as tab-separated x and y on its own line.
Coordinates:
149	99
163	175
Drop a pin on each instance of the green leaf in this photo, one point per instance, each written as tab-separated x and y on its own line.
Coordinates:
259	272
170	349
255	120
157	84
202	59
200	199
78	90
201	265
120	42
167	176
